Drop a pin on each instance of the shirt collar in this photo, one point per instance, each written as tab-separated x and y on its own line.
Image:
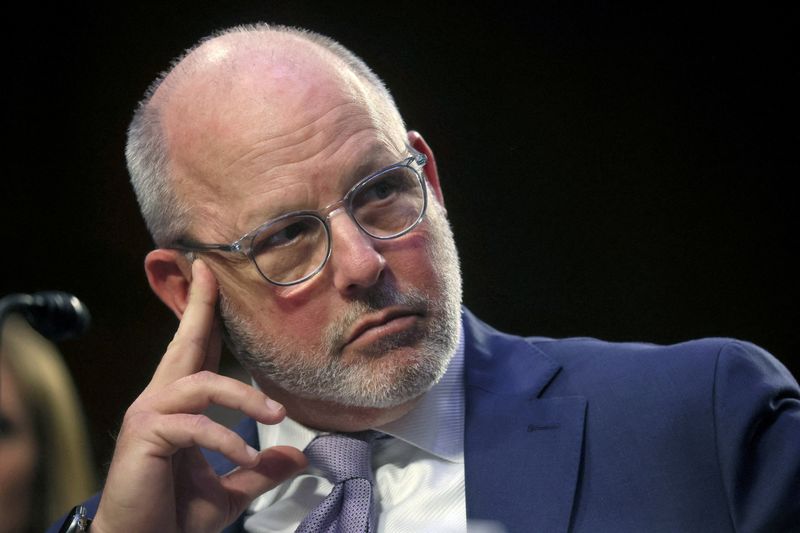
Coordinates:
436	424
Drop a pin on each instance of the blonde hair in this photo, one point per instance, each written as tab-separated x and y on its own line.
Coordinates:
66	473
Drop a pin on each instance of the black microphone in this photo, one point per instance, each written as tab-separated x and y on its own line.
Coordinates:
56	315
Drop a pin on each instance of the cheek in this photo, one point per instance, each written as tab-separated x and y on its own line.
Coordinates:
288	313
18	461
18	454
410	262
17	473
303	324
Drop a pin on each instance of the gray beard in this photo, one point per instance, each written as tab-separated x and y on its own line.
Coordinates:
319	373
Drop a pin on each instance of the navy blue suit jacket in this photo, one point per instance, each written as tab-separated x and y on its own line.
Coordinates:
584	435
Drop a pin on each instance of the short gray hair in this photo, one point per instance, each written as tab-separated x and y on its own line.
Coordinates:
165	212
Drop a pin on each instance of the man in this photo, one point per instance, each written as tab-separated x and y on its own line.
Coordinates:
282	188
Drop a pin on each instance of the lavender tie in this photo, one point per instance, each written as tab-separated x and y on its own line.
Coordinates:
346	460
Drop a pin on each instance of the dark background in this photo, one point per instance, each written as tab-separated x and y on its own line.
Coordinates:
614	171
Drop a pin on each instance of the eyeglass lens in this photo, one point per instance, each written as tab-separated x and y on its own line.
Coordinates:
384	206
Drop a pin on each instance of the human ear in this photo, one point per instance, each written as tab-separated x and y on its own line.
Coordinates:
416	141
169	274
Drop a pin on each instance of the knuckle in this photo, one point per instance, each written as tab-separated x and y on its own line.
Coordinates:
228	440
195	342
174	342
198	379
197	423
254	396
135	421
184	341
135	410
204	376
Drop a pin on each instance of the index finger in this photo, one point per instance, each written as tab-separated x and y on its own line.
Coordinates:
193	343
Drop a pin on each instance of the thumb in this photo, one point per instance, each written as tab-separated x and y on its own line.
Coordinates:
274	466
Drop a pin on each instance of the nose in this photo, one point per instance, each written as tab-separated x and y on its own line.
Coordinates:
355	262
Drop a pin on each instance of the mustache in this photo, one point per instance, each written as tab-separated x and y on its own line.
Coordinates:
376	298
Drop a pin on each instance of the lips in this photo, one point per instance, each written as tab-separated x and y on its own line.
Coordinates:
381	322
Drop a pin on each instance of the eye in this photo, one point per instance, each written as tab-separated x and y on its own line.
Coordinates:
284	233
7	427
386	187
381	190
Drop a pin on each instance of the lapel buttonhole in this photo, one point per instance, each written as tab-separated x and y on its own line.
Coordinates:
537	427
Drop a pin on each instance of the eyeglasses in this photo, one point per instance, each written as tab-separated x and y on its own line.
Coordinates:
294	247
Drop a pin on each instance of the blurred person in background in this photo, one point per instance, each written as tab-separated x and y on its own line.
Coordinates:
45	464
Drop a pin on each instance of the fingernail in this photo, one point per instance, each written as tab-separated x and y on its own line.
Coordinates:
273	406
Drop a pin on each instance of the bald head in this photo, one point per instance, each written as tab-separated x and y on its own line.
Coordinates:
243	87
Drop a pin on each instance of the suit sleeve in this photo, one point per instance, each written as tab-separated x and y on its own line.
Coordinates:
757	418
91	507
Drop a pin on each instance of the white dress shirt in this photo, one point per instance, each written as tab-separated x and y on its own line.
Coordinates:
419	474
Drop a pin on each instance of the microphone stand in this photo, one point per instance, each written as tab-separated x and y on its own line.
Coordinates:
54	314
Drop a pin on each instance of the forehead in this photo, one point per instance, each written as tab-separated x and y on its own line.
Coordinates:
251	133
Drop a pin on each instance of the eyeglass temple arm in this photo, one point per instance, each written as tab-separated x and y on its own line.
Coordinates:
185	245
418	156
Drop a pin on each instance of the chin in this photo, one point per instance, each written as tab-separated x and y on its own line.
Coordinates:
397	376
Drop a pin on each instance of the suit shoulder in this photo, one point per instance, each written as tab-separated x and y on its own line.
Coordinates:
640	368
597	361
567	349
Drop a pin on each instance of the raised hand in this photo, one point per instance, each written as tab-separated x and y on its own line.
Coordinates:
159	480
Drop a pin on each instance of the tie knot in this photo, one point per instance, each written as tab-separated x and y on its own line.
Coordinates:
343	456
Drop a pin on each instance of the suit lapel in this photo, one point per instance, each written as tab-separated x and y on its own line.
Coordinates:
246	429
522	451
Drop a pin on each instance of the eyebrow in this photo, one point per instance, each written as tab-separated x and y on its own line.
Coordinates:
367	166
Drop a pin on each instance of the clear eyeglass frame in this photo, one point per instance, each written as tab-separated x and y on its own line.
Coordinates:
244	244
